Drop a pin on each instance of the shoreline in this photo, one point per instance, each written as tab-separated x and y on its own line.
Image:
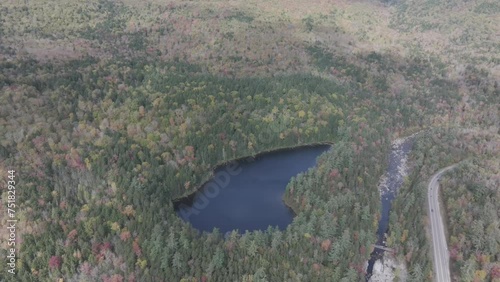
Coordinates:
224	163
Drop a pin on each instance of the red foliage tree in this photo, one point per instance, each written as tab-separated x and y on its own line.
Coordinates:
55	262
334	173
125	235
72	235
105	247
136	247
113	278
495	272
325	245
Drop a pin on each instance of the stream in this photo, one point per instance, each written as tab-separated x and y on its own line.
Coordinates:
389	186
247	194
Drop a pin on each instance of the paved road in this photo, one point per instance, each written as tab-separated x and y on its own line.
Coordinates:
440	248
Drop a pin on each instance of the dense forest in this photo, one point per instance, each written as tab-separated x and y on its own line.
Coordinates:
104	174
112	110
474	235
476	153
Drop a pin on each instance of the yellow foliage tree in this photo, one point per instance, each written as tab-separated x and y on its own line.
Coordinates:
129	211
404	236
479	275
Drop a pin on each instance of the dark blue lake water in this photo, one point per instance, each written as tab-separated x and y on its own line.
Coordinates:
247	194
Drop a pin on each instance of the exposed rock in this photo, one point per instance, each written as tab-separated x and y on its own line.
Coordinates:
388	269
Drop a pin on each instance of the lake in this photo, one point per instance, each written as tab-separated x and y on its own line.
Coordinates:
247	194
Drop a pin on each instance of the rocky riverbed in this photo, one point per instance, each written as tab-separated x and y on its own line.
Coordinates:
389	185
388	269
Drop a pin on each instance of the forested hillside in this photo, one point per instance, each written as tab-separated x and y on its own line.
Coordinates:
469	196
103	162
474	235
110	110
